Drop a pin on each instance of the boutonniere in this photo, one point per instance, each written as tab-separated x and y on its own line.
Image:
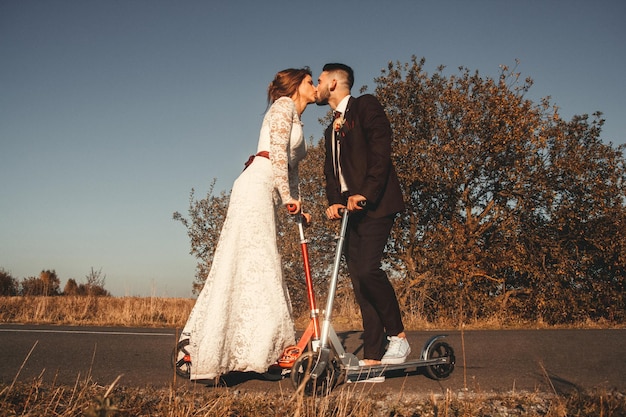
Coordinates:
341	126
338	123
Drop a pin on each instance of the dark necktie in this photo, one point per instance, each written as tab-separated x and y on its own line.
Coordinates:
336	115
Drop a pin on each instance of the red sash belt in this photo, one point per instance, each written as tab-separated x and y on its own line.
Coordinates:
264	154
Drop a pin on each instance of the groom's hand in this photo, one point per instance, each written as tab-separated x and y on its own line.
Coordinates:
356	202
332	212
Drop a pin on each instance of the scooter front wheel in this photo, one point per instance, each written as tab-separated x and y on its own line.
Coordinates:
302	380
440	349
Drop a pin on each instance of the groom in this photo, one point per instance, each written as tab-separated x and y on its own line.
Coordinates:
358	167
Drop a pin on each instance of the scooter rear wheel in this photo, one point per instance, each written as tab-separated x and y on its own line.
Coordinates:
440	349
181	360
301	376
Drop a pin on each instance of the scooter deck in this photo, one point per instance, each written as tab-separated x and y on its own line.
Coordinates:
361	373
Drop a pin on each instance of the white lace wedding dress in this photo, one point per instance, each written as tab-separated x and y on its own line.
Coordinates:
242	318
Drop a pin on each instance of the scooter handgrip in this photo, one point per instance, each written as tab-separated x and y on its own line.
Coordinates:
362	203
292	208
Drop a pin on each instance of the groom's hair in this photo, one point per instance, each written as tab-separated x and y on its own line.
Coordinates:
343	68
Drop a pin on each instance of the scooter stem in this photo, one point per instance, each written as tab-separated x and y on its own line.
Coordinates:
309	280
333	282
324	348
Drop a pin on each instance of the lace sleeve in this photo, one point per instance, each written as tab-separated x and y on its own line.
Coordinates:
280	122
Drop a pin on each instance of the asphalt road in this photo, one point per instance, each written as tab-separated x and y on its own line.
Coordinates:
550	361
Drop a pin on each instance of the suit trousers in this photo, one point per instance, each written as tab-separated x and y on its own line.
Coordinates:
365	242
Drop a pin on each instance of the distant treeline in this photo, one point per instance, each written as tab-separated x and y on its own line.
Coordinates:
48	284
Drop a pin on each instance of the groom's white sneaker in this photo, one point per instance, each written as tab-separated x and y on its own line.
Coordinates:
397	351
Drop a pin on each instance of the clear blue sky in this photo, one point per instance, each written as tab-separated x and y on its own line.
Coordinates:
111	111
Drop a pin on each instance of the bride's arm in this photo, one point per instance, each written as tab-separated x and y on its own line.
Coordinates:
281	121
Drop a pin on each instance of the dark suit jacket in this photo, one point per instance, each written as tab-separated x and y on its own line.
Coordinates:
365	152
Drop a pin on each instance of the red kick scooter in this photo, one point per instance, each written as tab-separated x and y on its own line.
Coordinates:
181	359
312	332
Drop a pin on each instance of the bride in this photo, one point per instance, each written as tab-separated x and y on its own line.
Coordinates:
242	320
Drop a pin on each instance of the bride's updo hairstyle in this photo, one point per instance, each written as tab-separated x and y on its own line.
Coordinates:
286	83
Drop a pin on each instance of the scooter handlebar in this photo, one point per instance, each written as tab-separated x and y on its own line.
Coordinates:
302	217
292	208
362	203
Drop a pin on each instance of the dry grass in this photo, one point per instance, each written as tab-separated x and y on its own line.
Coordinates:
86	398
96	311
173	313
